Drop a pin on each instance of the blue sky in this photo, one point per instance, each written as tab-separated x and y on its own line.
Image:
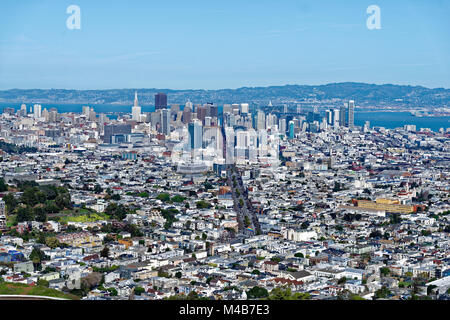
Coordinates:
222	44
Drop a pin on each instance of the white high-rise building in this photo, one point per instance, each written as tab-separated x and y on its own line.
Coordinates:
23	110
37	110
271	120
86	110
244	107
351	114
136	109
329	117
282	125
260	120
336	113
195	134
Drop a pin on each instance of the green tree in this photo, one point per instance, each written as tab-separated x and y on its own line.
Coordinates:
40	214
342	280
178	199
98	189
24	214
112	292
164	197
382	293
280	293
385	271
203	205
105	252
138	291
3	186
42	282
257	293
52	242
10	201
37	256
29	196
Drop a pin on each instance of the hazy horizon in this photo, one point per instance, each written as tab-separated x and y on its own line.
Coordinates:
235	88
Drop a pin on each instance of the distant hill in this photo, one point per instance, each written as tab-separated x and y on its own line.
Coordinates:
331	94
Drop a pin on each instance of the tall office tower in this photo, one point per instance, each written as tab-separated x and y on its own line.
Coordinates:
285	108
165	121
174	109
323	124
92	115
228	120
113	129
260	120
53	115
271	120
187	113
227	109
229	145
212	111
244	107
351	114
195	134
136	109
37	110
208	121
282	126
242	142
160	101
2	215
343	115
201	113
45	115
263	143
329	117
291	129
212	138
336	118
314	127
155	120
252	149
102	118
299	109
86	110
189	104
236	108
313	116
23	110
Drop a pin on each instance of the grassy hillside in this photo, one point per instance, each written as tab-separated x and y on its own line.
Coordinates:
7	288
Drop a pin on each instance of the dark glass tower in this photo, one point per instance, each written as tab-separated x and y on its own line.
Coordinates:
160	101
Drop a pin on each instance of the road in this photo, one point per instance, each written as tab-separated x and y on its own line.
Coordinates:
246	214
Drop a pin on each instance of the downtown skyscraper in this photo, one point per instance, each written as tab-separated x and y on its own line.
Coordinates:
160	101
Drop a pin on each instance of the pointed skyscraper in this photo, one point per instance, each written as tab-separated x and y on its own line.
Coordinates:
136	110
136	103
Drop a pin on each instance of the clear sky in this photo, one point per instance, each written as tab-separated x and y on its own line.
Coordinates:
222	44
